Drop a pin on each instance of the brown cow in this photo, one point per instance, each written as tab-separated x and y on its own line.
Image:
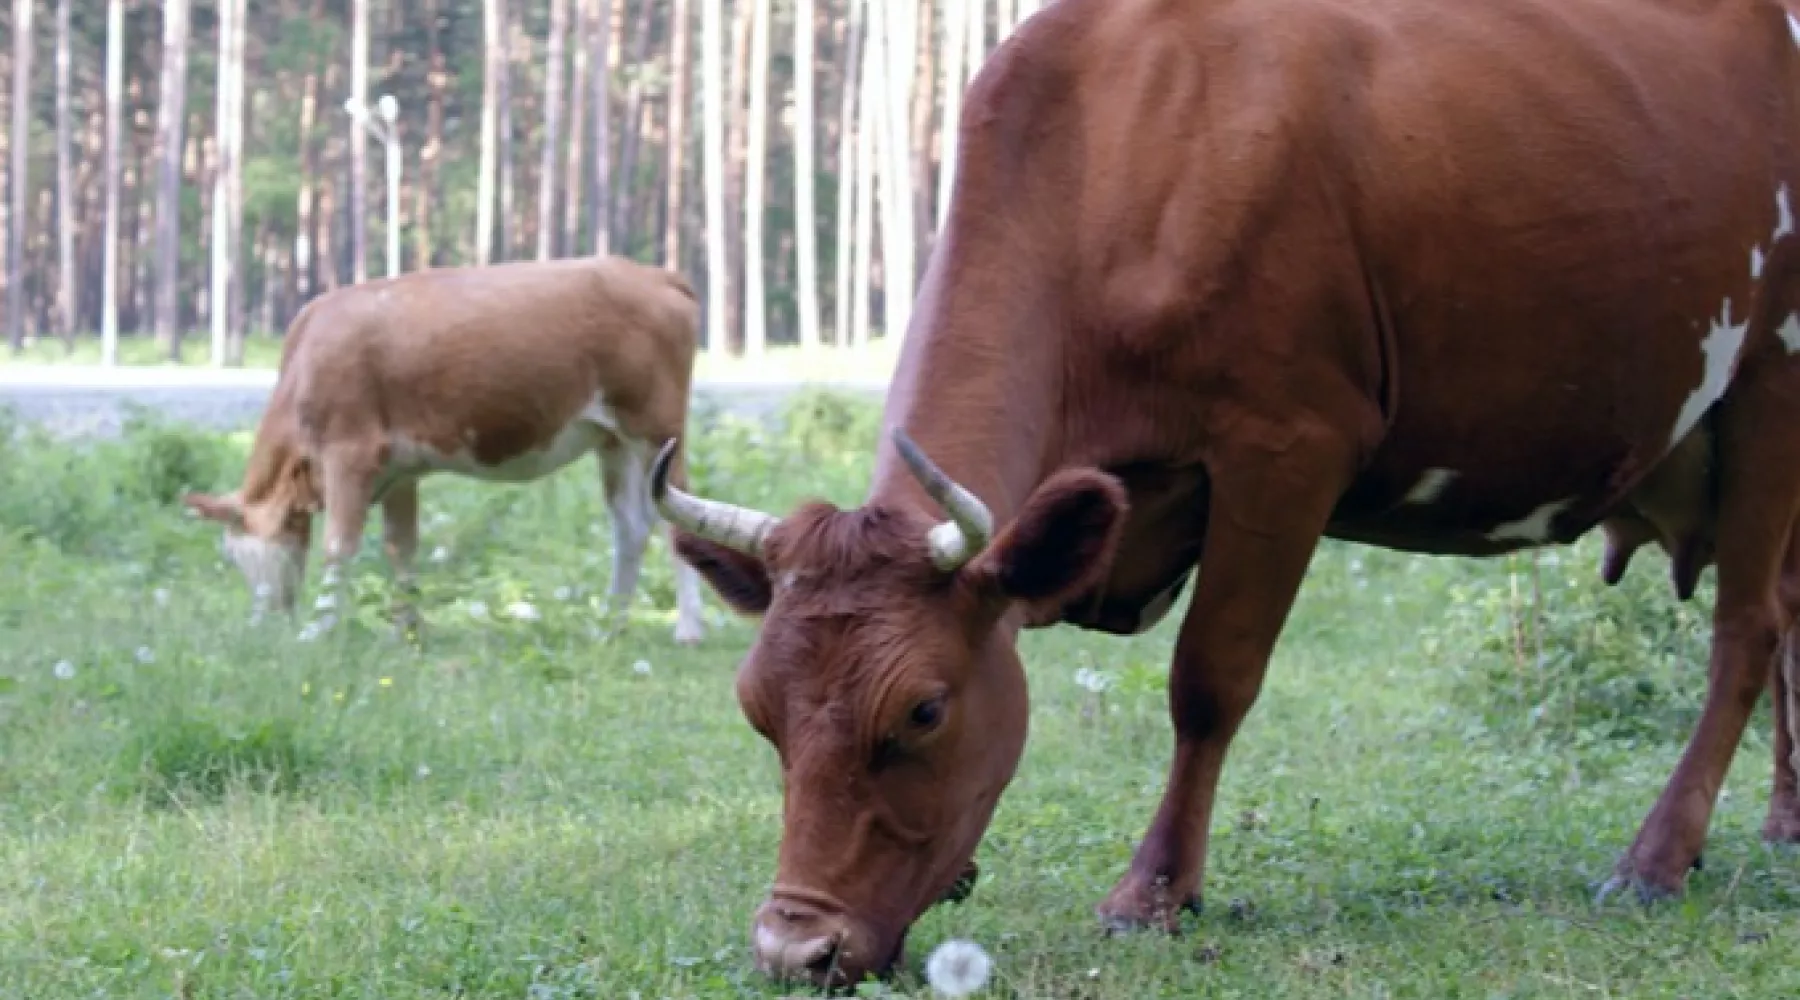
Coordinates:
504	373
1222	277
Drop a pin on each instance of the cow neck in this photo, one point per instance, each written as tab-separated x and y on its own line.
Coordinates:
979	395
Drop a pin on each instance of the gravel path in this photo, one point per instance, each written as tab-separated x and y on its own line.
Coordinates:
76	400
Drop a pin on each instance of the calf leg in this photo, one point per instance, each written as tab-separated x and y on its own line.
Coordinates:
400	540
623	477
1759	483
1268	511
688	630
349	485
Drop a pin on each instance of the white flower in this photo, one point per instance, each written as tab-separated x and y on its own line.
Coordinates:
423	771
64	670
477	609
641	667
145	655
958	968
160	595
564	593
440	554
311	631
524	611
1093	680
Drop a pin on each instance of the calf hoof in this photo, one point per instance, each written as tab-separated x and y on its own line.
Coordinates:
1136	904
687	635
318	628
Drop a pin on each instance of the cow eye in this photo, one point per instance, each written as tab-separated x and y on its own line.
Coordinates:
927	714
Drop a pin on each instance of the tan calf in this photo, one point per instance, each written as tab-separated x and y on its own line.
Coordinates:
504	373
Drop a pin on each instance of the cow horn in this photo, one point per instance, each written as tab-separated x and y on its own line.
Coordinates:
734	527
956	541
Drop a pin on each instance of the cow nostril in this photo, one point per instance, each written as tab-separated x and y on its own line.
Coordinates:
824	964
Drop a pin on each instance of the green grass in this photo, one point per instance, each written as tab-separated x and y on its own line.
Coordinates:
193	806
875	361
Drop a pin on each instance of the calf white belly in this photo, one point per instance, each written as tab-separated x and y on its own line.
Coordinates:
596	422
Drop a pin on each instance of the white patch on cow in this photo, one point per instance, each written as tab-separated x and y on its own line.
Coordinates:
1794	28
1721	350
576	438
1784	213
1790	333
1430	486
1533	527
1756	263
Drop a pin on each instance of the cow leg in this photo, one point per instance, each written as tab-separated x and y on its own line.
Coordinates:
625	481
1267	514
400	541
349	486
1759	483
1783	823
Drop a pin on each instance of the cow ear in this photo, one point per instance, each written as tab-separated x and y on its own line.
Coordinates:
1060	544
741	581
226	509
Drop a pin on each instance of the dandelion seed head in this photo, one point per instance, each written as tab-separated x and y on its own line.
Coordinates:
641	667
478	609
64	670
958	968
523	611
146	655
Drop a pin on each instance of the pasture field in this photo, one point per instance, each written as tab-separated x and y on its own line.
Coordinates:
874	361
1447	756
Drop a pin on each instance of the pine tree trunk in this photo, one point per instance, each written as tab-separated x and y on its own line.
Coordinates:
868	129
65	183
222	250
508	223
578	84
895	74
674	220
854	32
553	84
304	223
21	147
956	50
171	106
359	141
425	191
806	218
493	40
718	280
756	316
605	30
737	126
625	191
109	270
923	64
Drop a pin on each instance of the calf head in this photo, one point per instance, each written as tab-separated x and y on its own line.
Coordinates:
266	541
886	677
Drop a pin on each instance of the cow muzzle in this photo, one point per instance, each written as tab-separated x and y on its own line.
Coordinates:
796	939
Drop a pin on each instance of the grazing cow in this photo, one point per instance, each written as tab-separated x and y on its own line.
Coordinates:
504	373
1222	277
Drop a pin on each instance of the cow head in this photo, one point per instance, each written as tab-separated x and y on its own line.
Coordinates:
268	544
885	676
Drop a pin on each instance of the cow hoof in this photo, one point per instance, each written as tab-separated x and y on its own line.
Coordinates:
1133	907
1783	823
687	635
1648	891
